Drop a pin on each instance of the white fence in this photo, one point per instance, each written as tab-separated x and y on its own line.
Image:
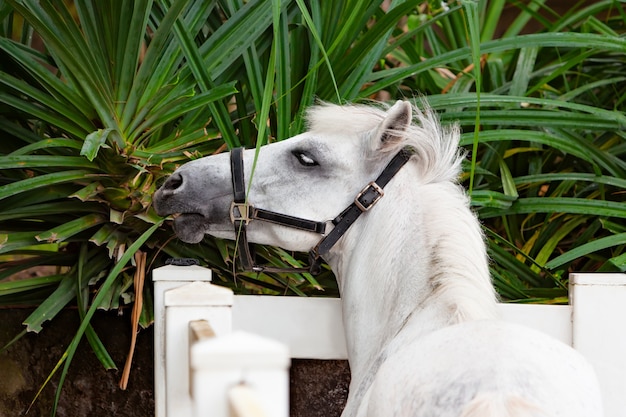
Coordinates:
254	356
202	366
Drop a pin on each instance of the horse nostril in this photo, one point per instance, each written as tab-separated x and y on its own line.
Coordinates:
174	182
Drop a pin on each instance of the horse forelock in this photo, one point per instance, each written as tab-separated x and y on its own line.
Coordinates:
436	147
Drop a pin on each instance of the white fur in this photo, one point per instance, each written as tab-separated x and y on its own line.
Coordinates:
490	404
419	308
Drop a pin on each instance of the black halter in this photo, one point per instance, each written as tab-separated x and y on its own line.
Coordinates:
242	213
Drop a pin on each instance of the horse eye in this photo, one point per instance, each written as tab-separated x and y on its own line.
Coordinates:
305	159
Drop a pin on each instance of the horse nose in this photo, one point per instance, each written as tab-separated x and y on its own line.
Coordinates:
172	184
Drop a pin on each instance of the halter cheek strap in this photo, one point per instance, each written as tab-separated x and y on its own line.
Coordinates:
242	213
364	201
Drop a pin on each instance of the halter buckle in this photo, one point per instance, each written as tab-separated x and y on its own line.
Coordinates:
366	205
240	212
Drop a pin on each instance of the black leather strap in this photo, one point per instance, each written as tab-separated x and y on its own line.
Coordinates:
290	221
240	219
238	176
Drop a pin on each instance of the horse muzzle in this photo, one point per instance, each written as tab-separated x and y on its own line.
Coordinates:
197	210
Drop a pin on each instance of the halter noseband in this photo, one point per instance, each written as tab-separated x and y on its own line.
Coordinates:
242	213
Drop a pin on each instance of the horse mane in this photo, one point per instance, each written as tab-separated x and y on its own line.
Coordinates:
435	146
461	275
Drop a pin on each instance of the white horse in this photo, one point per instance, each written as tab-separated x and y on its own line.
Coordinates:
422	328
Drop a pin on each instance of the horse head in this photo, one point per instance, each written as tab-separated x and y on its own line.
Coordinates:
314	175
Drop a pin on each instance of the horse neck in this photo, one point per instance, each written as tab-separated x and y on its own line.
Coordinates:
418	255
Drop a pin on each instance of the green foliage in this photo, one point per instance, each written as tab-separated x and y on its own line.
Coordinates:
99	101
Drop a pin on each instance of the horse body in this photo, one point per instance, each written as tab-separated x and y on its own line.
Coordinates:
428	342
481	368
419	309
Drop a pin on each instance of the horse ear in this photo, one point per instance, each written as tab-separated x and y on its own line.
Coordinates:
392	129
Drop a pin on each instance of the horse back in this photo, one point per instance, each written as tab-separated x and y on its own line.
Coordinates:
482	368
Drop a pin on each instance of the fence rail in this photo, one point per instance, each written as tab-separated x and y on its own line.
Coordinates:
262	329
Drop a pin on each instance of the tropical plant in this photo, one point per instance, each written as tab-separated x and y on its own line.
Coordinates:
544	118
100	101
549	184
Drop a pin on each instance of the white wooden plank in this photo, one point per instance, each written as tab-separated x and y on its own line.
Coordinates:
599	333
313	327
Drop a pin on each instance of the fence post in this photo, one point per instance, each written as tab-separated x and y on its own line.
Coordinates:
182	294
599	332
248	370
